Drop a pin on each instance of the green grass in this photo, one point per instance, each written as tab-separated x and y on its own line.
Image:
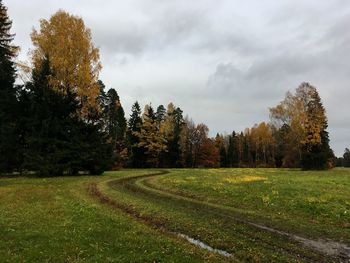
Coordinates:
54	220
315	204
59	220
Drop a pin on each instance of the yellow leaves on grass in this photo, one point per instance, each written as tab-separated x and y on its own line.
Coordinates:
244	179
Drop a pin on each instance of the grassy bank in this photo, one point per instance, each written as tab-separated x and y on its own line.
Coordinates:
55	220
313	203
129	217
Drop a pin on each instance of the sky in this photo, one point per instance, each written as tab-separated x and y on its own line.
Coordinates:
223	62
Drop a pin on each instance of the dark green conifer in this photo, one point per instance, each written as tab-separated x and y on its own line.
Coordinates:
8	101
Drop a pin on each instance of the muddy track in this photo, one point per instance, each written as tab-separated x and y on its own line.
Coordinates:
324	251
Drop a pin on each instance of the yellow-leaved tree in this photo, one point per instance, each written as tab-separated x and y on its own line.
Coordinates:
74	60
304	122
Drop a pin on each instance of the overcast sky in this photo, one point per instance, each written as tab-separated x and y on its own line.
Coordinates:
224	62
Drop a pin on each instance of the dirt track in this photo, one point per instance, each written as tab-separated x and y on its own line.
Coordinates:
323	250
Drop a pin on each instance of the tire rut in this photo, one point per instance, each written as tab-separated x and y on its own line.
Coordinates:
330	250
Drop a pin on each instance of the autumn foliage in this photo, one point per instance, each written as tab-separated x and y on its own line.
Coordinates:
75	61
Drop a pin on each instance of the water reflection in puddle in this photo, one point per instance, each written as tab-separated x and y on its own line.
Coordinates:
204	246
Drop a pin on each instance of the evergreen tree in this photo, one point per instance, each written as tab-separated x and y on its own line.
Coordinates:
186	146
8	101
246	154
339	162
115	123
56	140
160	113
232	150
50	127
174	145
172	126
220	146
316	152
137	153
151	138
223	156
346	158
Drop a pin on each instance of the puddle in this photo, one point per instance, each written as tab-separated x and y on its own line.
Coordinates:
200	244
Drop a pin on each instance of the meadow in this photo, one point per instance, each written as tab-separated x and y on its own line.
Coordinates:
178	215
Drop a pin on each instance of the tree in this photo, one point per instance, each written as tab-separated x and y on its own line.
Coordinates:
47	141
116	122
56	141
316	152
185	145
286	150
290	112
232	151
115	125
151	138
346	158
8	101
136	157
220	146
171	128
262	142
308	139
209	155
160	114
74	59
197	137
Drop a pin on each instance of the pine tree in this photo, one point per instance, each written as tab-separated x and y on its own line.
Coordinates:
8	101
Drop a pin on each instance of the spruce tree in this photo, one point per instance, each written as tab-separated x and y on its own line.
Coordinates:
160	113
115	125
316	152
51	128
172	127
8	101
56	141
137	154
115	118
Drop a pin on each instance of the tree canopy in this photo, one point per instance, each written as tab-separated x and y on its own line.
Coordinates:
65	39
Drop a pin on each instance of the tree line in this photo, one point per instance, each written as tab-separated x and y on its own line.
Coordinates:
344	161
63	120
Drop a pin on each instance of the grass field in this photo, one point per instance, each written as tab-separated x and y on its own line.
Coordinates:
256	215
